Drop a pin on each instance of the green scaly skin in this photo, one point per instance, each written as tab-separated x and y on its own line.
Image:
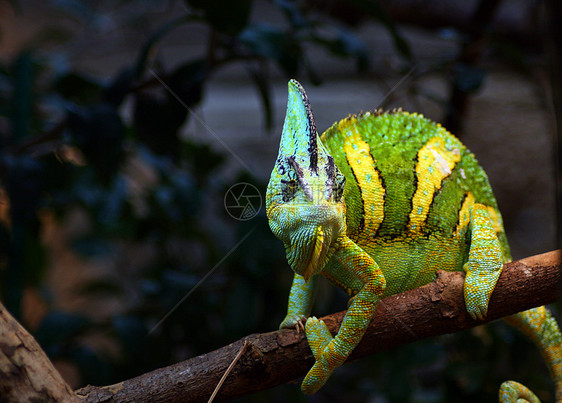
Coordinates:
377	205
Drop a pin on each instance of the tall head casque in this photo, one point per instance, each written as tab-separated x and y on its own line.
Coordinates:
304	199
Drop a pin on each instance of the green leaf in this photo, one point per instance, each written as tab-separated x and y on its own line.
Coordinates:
226	16
262	85
22	98
92	368
271	42
98	131
114	203
293	13
155	37
4	242
5	90
202	160
16	6
77	87
347	44
469	78
186	82
185	193
120	86
375	10
59	327
157	121
50	36
23	180
34	259
132	333
313	75
101	288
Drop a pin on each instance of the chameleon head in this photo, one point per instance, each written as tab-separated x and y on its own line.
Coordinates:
304	199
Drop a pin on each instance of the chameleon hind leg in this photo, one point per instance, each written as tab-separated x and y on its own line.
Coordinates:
539	326
483	269
331	352
484	264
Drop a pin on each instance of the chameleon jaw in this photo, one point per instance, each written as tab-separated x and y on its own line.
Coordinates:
314	262
308	232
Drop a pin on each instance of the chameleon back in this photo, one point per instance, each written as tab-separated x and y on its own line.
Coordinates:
409	183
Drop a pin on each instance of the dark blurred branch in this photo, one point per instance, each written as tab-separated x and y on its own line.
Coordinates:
554	50
469	56
274	358
514	20
51	135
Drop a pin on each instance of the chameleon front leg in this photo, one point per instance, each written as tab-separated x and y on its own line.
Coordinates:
300	302
332	352
485	262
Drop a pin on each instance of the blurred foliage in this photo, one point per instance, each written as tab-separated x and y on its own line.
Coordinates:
150	204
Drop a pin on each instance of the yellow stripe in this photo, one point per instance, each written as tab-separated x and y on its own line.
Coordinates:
435	163
496	219
464	216
368	180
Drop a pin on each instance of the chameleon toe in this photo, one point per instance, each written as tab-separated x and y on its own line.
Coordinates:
318	336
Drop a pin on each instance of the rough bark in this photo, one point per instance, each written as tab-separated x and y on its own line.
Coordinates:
26	374
278	357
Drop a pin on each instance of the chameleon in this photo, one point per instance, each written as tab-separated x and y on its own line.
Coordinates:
378	204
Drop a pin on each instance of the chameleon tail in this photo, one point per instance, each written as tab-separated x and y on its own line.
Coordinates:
539	326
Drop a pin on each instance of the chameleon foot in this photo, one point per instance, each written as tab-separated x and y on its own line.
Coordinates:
293	321
478	287
319	338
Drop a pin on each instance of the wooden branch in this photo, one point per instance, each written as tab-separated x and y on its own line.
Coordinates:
261	361
26	374
278	357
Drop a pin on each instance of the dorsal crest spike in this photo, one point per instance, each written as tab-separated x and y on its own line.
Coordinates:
299	118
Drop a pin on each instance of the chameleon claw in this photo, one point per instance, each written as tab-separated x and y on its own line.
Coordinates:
293	321
300	326
477	312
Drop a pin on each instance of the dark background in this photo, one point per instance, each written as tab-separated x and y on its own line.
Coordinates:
123	124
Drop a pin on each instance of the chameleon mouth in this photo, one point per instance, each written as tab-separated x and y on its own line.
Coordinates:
313	264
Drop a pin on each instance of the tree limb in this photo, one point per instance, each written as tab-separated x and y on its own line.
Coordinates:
278	357
269	359
26	374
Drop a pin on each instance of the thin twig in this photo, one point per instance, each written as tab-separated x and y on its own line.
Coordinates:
242	350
